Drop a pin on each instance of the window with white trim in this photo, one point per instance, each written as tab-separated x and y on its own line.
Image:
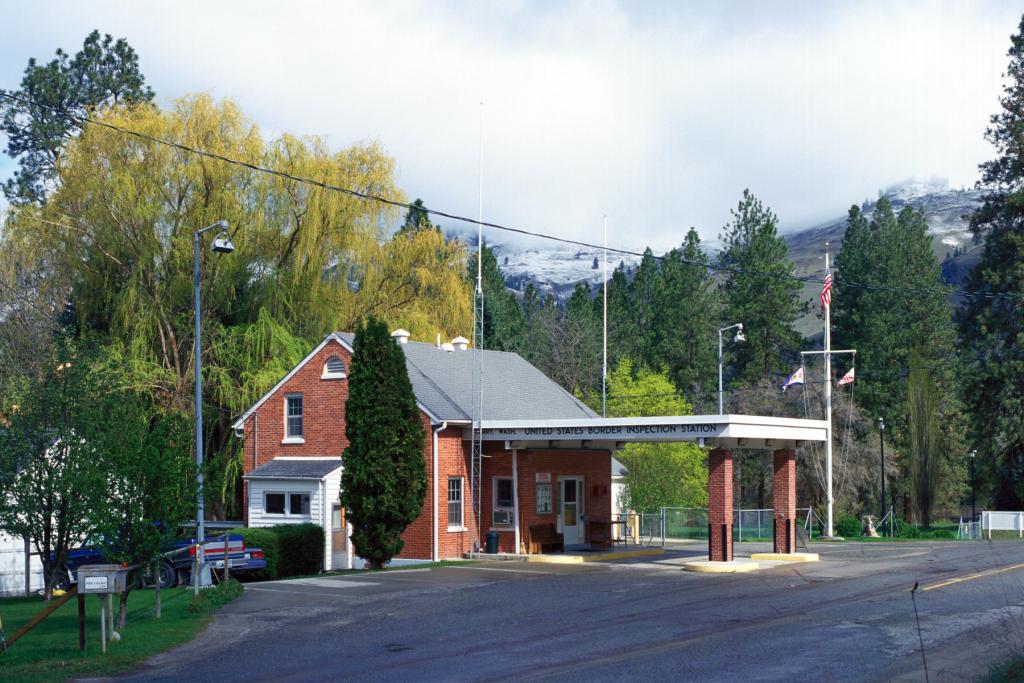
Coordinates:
286	503
293	416
455	502
334	368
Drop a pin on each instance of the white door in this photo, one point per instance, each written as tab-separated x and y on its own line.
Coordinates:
571	509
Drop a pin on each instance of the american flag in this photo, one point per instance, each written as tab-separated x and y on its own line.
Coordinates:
826	290
847	378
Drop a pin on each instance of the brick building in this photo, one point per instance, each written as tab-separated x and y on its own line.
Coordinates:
546	456
294	436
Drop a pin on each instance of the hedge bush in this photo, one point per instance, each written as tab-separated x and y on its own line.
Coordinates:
300	548
266	540
290	549
848	526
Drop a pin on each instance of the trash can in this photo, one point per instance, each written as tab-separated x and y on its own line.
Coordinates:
492	542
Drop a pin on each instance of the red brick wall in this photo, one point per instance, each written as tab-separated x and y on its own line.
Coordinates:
719	504
784	500
323	419
324	435
594	466
452	461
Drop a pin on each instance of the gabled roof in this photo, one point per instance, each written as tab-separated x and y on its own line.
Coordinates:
296	468
443	382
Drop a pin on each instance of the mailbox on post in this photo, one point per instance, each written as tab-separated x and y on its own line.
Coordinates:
100	579
103	580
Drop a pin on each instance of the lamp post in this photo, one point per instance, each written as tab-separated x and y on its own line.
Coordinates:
738	338
222	244
881	450
974	511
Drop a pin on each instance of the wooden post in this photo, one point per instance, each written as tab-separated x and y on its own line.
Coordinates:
103	625
110	615
81	622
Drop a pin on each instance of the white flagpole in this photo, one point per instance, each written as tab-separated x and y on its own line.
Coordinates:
604	338
828	406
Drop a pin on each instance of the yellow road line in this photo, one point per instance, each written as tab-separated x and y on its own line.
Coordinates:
979	575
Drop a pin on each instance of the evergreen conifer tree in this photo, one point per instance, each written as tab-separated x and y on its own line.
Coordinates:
384	481
992	323
503	318
686	314
759	290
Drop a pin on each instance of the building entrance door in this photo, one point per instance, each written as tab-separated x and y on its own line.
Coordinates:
339	538
571	509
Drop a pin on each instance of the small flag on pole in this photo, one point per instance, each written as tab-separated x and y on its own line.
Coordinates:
826	290
847	378
796	378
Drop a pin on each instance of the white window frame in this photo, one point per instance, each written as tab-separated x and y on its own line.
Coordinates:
327	374
289	438
494	501
288	504
461	525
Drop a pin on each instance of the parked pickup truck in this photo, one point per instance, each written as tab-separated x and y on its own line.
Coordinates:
176	562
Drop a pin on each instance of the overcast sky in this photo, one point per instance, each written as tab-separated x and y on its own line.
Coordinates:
654	113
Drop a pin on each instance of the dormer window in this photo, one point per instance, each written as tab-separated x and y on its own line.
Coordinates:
334	368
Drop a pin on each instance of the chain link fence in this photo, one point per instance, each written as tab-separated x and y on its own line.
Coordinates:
674	524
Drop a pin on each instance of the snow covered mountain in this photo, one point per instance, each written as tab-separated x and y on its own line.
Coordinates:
556	269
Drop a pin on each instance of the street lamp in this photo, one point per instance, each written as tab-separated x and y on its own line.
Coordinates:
222	244
738	338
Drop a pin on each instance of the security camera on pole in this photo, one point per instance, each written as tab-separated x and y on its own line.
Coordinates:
222	245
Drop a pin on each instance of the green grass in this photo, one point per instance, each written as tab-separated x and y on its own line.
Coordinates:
50	652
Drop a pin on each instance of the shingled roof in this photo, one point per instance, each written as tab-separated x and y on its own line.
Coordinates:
296	468
512	388
443	382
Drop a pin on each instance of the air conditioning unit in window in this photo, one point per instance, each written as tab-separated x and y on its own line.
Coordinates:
501	518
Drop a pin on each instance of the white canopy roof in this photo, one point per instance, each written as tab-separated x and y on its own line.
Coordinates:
713	431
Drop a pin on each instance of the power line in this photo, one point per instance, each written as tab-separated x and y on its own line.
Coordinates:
718	267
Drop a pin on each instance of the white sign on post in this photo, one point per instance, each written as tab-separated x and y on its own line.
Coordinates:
96	583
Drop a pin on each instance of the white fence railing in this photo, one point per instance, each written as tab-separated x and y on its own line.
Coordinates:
992	520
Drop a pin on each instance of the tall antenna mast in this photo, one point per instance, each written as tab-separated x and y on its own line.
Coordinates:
604	342
476	438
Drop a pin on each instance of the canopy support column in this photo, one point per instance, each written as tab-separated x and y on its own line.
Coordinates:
720	505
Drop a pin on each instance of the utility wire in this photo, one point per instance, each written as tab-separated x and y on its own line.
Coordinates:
718	267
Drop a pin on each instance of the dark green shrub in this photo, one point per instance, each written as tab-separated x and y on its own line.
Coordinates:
848	526
905	530
265	540
215	597
300	549
946	534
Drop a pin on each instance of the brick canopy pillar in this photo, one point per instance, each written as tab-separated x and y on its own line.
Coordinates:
720	505
784	501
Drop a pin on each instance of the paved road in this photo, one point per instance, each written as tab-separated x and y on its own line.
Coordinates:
847	618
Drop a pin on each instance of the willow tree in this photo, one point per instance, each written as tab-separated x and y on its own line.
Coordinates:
309	260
